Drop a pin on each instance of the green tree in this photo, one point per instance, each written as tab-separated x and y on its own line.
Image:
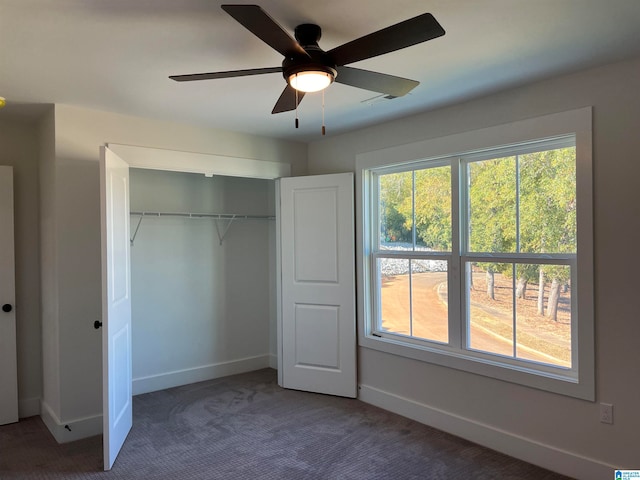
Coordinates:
395	190
525	204
525	273
432	208
548	216
492	211
548	201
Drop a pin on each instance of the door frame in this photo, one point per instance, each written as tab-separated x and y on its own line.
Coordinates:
189	162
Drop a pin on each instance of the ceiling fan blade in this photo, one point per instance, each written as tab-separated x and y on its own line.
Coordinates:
376	82
287	100
229	74
401	35
258	22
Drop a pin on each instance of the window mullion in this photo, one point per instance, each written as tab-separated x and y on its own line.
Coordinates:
410	298
455	267
514	317
413	238
518	203
413	209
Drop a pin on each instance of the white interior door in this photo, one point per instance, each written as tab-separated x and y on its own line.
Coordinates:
8	359
116	304
318	327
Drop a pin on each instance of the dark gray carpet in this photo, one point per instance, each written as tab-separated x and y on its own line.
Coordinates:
246	427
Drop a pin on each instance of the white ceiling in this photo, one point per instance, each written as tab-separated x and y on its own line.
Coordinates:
116	55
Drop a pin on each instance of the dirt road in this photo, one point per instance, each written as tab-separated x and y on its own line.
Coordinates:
491	330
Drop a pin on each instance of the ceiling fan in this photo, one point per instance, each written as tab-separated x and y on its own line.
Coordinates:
308	68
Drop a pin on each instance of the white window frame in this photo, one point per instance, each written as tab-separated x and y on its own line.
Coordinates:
579	381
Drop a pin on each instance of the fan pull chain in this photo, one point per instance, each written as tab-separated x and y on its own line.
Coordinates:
297	123
324	130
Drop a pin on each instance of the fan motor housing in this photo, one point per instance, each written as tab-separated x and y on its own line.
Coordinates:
307	36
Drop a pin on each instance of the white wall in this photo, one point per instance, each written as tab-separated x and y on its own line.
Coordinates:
72	245
556	431
199	309
19	149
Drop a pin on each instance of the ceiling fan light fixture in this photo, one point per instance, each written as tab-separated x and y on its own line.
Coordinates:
310	80
308	68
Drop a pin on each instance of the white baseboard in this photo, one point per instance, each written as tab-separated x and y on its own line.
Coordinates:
28	407
546	456
273	361
72	430
176	378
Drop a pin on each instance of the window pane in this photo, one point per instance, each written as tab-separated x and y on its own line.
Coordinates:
543	315
433	208
396	210
542	325
548	201
490	307
492	205
395	312
429	300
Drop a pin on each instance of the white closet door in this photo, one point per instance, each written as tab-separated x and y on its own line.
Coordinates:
8	360
318	326
116	304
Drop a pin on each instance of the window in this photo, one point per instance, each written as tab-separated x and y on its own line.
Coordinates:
480	260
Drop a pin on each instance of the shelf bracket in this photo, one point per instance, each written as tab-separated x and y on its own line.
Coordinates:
133	239
226	227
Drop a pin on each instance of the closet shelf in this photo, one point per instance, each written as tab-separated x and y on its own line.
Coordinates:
229	217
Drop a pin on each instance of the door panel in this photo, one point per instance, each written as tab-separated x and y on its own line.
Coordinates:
8	359
317	329
116	304
318	284
315	235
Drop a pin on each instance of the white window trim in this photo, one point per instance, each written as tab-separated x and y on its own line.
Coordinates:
577	122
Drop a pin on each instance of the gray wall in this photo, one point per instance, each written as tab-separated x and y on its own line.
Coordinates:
19	149
559	422
199	306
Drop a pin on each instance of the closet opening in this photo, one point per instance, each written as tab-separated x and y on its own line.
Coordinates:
203	277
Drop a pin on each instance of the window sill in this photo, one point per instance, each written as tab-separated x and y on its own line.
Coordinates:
555	381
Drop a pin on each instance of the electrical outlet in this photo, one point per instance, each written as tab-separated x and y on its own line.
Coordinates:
606	413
